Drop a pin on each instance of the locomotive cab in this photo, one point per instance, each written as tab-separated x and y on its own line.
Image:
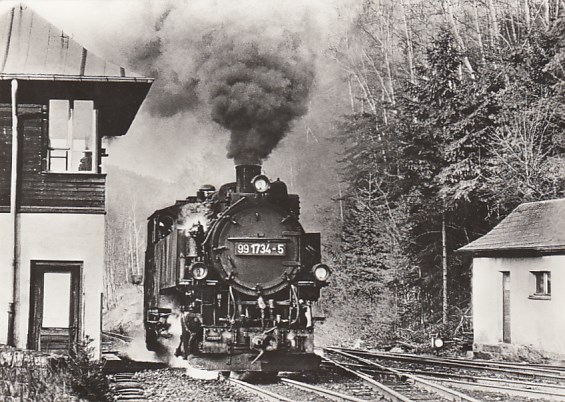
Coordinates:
242	275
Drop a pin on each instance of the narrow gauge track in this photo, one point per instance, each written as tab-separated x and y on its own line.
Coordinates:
139	381
121	376
508	386
397	386
124	387
301	391
117	336
526	370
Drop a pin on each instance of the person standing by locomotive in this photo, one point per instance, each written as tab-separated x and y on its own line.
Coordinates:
190	325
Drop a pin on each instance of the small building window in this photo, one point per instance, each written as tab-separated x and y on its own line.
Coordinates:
72	136
542	284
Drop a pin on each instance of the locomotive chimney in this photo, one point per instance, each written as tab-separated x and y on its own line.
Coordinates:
244	174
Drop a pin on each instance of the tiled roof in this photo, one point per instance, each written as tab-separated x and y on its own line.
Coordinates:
32	48
534	226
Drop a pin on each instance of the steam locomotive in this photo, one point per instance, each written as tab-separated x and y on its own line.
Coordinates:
241	273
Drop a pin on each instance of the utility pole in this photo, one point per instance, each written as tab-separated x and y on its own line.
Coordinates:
444	266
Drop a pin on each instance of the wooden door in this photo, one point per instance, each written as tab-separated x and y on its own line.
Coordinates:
54	306
506	334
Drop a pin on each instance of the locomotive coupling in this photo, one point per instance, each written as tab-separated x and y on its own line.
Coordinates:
265	342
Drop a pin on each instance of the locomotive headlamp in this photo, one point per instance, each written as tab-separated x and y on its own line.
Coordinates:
261	183
198	271
321	272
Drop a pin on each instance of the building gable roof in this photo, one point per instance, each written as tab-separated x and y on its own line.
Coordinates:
51	65
537	227
32	48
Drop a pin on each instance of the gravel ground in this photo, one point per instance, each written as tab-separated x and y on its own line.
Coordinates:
496	397
174	385
336	381
294	393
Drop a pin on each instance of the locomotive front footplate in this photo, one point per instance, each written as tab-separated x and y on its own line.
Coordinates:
248	362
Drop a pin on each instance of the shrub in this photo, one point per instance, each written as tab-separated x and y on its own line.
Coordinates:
85	375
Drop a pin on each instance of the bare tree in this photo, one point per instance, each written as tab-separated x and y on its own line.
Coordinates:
522	150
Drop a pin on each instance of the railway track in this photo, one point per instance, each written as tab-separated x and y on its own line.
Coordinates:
487	383
324	392
372	375
116	336
526	370
125	387
259	391
395	385
287	389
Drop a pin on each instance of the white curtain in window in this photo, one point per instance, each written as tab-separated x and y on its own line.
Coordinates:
83	136
72	136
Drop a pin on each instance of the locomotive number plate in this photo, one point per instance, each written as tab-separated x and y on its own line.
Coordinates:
261	249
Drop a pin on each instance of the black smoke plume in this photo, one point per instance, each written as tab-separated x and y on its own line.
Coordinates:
252	80
256	94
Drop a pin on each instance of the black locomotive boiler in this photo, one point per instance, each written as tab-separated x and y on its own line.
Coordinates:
242	274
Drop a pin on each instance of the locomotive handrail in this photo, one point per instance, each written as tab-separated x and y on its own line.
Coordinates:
294	293
221	217
234	303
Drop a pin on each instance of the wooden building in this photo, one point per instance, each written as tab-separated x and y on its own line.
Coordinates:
519	283
57	102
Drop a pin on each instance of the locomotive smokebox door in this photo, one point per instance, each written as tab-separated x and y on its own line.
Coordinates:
257	243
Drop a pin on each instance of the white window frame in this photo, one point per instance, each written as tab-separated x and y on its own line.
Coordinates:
67	152
545	277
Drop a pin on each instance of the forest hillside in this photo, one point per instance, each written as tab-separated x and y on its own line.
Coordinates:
452	116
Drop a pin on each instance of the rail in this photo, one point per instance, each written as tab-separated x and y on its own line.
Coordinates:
506	386
418	382
388	393
119	337
542	371
262	393
327	393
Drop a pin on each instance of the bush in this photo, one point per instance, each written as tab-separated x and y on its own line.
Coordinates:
85	375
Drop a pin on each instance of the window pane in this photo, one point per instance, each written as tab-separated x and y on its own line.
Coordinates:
56	299
72	128
58	160
82	121
59	116
548	290
539	282
83	135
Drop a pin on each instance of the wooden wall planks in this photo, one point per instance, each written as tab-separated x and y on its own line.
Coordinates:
39	190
